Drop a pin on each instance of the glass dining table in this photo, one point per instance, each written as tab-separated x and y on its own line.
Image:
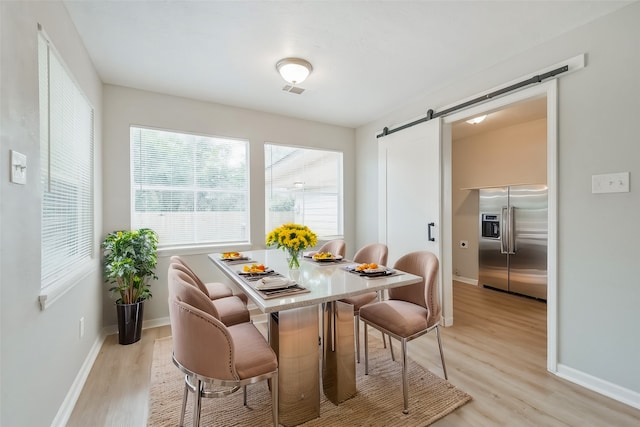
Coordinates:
309	328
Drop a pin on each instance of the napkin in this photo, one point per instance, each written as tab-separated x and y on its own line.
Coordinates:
274	283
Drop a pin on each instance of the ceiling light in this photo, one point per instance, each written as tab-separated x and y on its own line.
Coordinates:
294	70
477	120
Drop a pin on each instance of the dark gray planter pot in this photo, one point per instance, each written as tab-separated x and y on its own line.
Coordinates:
130	322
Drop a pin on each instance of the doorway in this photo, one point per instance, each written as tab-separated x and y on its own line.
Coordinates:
548	92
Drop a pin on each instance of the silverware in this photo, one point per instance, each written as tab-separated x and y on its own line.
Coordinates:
237	261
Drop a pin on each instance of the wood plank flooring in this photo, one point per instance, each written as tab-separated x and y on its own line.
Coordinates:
496	351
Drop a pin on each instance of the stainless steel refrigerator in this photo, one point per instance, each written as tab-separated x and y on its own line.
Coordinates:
512	250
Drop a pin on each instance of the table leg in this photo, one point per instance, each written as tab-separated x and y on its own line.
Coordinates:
293	335
339	367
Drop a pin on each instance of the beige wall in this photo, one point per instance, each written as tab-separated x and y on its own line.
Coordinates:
508	156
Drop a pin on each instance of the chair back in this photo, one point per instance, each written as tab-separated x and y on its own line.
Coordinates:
197	282
201	343
374	252
178	260
183	288
425	293
336	247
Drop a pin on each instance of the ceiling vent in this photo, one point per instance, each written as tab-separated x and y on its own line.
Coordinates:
292	89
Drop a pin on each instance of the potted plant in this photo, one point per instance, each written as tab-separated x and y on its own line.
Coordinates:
129	263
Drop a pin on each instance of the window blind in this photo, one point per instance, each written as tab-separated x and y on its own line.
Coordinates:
304	186
66	150
191	189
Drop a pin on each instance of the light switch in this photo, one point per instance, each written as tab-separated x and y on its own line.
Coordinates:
610	183
18	168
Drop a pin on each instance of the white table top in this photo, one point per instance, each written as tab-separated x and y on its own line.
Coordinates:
325	281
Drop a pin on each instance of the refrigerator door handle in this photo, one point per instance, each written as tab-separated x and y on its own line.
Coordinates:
512	230
504	231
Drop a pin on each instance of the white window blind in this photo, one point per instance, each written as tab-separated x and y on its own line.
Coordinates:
190	189
304	186
66	159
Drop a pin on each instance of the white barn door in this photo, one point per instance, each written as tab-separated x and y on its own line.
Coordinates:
409	190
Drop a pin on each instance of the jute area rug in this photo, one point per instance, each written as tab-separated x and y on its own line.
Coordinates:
377	403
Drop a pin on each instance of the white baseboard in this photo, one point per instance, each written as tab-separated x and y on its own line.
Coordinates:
69	402
465	280
621	394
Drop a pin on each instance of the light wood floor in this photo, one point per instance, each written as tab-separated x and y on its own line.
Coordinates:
496	352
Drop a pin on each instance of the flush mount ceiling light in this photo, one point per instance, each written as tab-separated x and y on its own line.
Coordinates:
294	70
477	120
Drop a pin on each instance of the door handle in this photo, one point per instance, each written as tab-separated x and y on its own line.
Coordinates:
429	236
504	231
512	230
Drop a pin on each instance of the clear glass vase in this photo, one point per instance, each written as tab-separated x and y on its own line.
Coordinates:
293	259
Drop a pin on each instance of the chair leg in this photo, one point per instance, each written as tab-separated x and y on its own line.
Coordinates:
184	401
384	340
405	386
274	400
366	350
393	357
356	318
244	395
197	402
444	368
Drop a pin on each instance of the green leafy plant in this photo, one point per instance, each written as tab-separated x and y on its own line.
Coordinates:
129	263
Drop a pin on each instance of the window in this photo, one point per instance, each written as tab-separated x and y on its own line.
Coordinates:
304	186
66	159
190	189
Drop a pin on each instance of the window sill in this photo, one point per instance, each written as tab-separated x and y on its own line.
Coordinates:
49	295
203	249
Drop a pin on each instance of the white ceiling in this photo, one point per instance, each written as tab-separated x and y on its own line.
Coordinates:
369	57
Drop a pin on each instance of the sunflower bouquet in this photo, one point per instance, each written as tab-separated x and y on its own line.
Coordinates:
293	239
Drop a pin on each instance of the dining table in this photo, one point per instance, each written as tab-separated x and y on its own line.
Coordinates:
309	328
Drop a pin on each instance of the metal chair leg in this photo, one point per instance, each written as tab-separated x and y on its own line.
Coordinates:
274	400
393	357
244	395
366	350
405	386
184	401
444	368
197	402
356	318
384	340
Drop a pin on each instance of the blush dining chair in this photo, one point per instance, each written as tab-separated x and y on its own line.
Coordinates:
336	247
374	252
215	290
229	310
410	312
217	359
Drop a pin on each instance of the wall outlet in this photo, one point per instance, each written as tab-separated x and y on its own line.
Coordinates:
464	244
81	327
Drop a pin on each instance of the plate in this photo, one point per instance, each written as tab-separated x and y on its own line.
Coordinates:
374	270
253	273
333	258
231	256
271	283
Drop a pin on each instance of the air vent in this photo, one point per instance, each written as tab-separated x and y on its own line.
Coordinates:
292	89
